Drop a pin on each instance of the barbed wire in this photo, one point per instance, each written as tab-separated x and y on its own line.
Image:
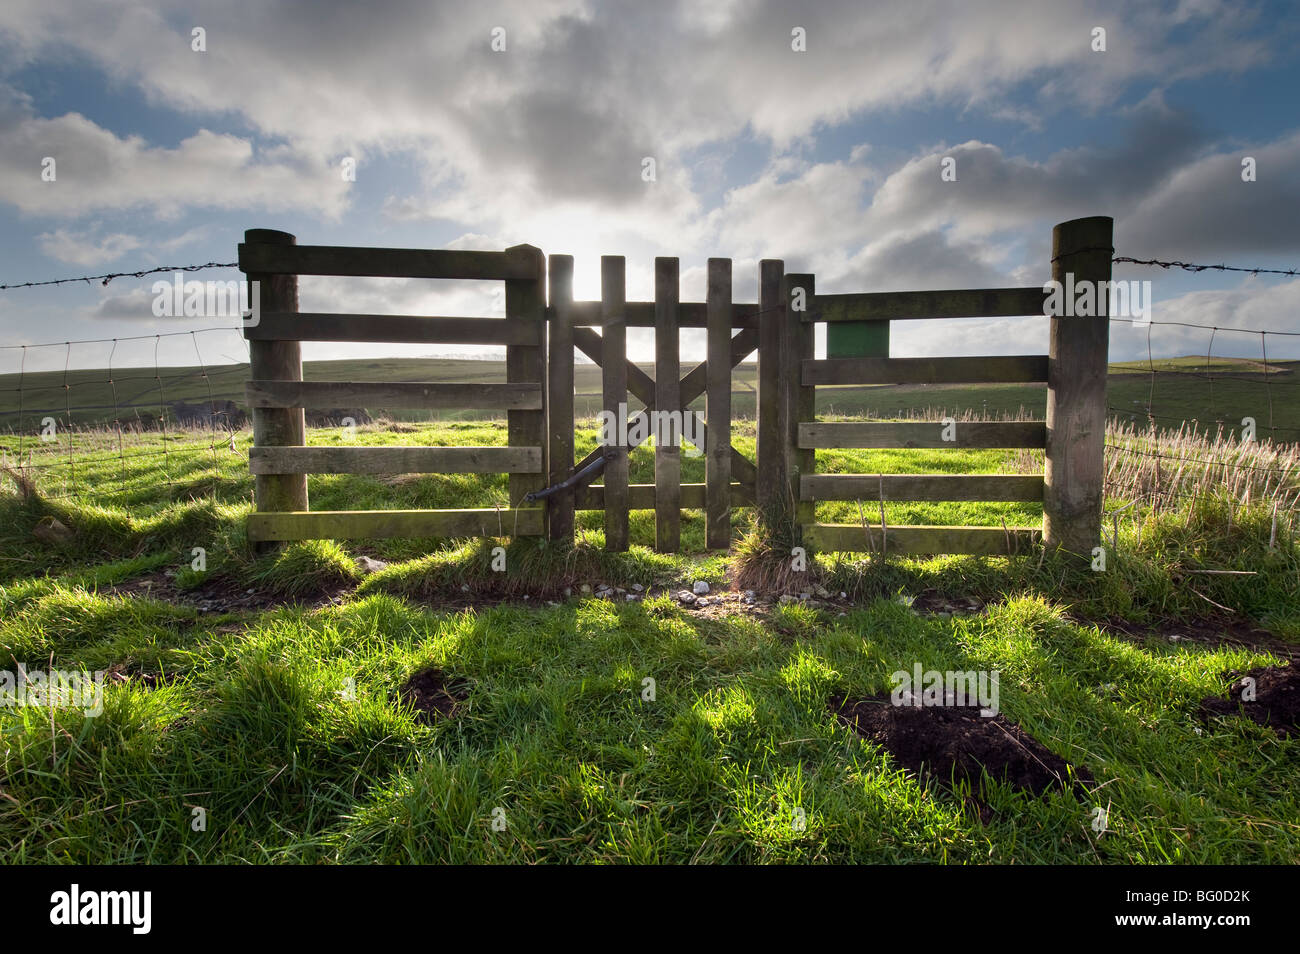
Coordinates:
105	279
1190	267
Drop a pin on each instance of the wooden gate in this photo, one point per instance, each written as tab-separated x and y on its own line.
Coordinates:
277	394
730	477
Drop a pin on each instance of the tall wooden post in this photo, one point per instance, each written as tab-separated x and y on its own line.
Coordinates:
526	364
770	490
799	403
276	361
668	453
613	299
559	507
1076	389
717	404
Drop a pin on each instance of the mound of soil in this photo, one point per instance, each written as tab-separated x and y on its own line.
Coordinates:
1276	704
955	744
1211	632
433	694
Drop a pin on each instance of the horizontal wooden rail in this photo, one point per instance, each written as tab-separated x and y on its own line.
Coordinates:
1003	487
395	460
889	434
384	262
908	305
921	540
993	369
354	524
413	394
421	329
641	314
642	497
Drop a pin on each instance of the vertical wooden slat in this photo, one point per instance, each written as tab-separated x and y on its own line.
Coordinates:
717	462
1076	392
526	305
559	507
613	296
799	400
668	462
276	361
771	456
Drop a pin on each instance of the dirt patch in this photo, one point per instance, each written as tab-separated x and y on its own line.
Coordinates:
122	673
1275	703
1212	632
931	603
433	694
220	595
955	744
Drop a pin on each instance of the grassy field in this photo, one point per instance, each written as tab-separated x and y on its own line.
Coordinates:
265	690
1224	390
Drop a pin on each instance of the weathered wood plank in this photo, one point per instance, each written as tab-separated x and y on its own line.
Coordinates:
645	496
799	401
395	460
641	314
419	329
668	453
1076	394
717	455
640	384
385	524
614	372
1004	487
526	309
882	434
695	383
420	394
771	482
981	370
921	540
384	262
908	305
559	508
277	360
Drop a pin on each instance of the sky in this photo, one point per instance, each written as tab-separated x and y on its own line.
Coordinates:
814	133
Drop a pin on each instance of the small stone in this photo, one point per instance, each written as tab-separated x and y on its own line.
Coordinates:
686	597
250	592
843	595
368	565
52	532
749	595
804	597
638	588
821	591
701	588
526	596
568	591
630	597
841	615
551	603
785	598
585	589
464	587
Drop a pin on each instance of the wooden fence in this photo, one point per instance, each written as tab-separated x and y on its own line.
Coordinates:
779	326
277	394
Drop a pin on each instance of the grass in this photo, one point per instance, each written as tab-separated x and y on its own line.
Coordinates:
284	727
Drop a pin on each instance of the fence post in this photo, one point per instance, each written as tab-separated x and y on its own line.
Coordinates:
276	361
770	445
613	297
668	453
526	364
717	407
799	401
560	507
1075	464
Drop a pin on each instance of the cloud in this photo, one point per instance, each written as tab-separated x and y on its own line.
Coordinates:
85	249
